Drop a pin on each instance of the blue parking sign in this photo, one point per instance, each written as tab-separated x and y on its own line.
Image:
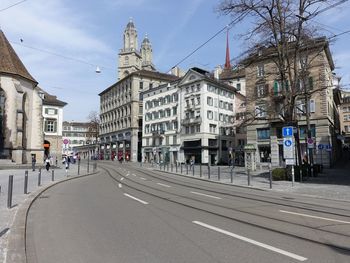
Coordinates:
287	131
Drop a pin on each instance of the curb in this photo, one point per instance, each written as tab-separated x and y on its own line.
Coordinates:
16	247
207	180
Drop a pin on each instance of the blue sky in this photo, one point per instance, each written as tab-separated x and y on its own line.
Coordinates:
91	31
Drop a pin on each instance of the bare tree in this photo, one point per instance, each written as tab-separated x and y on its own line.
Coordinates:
93	127
282	32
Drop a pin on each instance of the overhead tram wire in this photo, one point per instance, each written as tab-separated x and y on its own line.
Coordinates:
20	2
61	56
206	42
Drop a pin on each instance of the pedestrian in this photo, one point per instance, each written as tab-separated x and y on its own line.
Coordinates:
47	164
33	162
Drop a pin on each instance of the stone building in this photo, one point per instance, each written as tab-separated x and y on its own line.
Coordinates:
121	104
21	122
266	102
121	114
130	58
344	117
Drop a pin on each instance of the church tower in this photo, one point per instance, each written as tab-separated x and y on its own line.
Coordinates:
130	59
146	53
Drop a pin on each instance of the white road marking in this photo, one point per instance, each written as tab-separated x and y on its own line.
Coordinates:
134	174
120	185
251	241
143	178
136	199
323	218
122	179
211	196
165	185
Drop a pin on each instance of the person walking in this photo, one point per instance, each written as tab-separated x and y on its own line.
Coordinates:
33	162
47	164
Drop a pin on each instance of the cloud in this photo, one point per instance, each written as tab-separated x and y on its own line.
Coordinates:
51	24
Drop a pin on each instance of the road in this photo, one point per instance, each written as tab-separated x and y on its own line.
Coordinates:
132	215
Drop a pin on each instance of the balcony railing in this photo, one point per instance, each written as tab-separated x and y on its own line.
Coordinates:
194	120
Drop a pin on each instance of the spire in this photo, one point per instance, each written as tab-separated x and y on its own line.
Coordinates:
227	61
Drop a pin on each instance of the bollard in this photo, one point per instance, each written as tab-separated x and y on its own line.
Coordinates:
9	192
208	171
78	167
25	190
186	168
95	166
193	170
200	170
231	174
181	167
53	175
172	167
270	175
248	171
88	166
218	173
167	167
176	167
39	177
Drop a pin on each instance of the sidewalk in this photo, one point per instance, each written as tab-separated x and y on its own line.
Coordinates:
330	184
7	215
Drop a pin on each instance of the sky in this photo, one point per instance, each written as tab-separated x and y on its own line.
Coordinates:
61	42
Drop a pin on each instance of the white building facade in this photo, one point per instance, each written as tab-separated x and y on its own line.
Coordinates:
53	125
160	142
190	119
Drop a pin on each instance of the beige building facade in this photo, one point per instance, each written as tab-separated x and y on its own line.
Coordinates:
266	103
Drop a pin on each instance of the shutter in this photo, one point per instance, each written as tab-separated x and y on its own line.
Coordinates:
275	87
311	83
287	85
54	126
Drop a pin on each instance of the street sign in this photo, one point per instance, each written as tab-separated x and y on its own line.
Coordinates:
287	131
310	143
65	141
288	148
328	147
320	146
290	161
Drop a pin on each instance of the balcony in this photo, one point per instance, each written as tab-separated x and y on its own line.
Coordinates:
278	96
195	120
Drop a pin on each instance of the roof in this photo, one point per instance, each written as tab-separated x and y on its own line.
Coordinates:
10	62
228	74
144	73
270	52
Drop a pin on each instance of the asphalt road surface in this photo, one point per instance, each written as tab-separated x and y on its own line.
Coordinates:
133	215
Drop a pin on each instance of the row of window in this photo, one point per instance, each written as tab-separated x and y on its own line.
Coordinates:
119	113
162	101
69	128
161	127
300	108
262	89
222	104
155	115
346	117
222	117
221	92
168	140
193	88
264	133
74	134
346	109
